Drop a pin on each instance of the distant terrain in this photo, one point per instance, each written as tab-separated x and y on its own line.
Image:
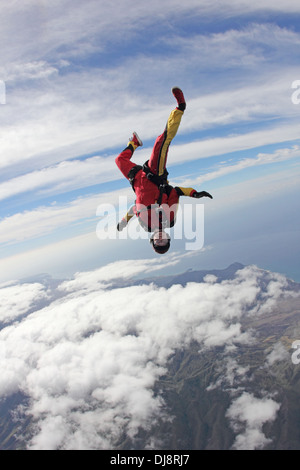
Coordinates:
212	396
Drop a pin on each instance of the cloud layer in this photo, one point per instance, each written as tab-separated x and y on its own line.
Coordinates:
89	360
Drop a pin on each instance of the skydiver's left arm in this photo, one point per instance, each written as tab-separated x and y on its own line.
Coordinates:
122	224
191	192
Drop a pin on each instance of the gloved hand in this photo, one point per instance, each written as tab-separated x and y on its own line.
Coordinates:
122	225
202	194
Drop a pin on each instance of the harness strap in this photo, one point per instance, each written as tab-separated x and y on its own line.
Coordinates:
156	179
160	181
162	189
162	218
132	173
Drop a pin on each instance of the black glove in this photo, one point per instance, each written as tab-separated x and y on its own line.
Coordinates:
202	194
122	225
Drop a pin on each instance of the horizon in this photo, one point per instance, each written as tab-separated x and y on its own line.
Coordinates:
71	95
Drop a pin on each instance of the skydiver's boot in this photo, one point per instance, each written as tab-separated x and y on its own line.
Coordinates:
177	92
135	141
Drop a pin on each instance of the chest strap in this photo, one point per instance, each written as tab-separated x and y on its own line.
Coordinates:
160	181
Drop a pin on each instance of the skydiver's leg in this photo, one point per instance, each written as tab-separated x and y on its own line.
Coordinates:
158	160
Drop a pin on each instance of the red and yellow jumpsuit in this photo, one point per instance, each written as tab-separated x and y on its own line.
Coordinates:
148	193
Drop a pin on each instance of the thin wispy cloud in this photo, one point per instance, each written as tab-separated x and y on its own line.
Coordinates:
80	80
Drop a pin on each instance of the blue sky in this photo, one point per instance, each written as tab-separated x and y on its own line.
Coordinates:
81	76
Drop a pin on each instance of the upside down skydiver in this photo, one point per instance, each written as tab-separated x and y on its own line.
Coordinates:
155	197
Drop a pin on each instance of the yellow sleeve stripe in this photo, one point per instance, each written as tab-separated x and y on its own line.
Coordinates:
187	191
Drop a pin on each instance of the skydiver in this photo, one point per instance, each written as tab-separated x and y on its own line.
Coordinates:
155	197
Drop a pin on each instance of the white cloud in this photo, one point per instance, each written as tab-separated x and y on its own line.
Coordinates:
28	71
16	300
69	175
91	280
58	23
46	219
232	375
85	110
43	220
238	43
280	155
88	361
246	7
266	188
248	414
63	177
278	353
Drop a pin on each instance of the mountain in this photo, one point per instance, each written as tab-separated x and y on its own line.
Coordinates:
183	278
214	392
200	385
199	409
198	276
